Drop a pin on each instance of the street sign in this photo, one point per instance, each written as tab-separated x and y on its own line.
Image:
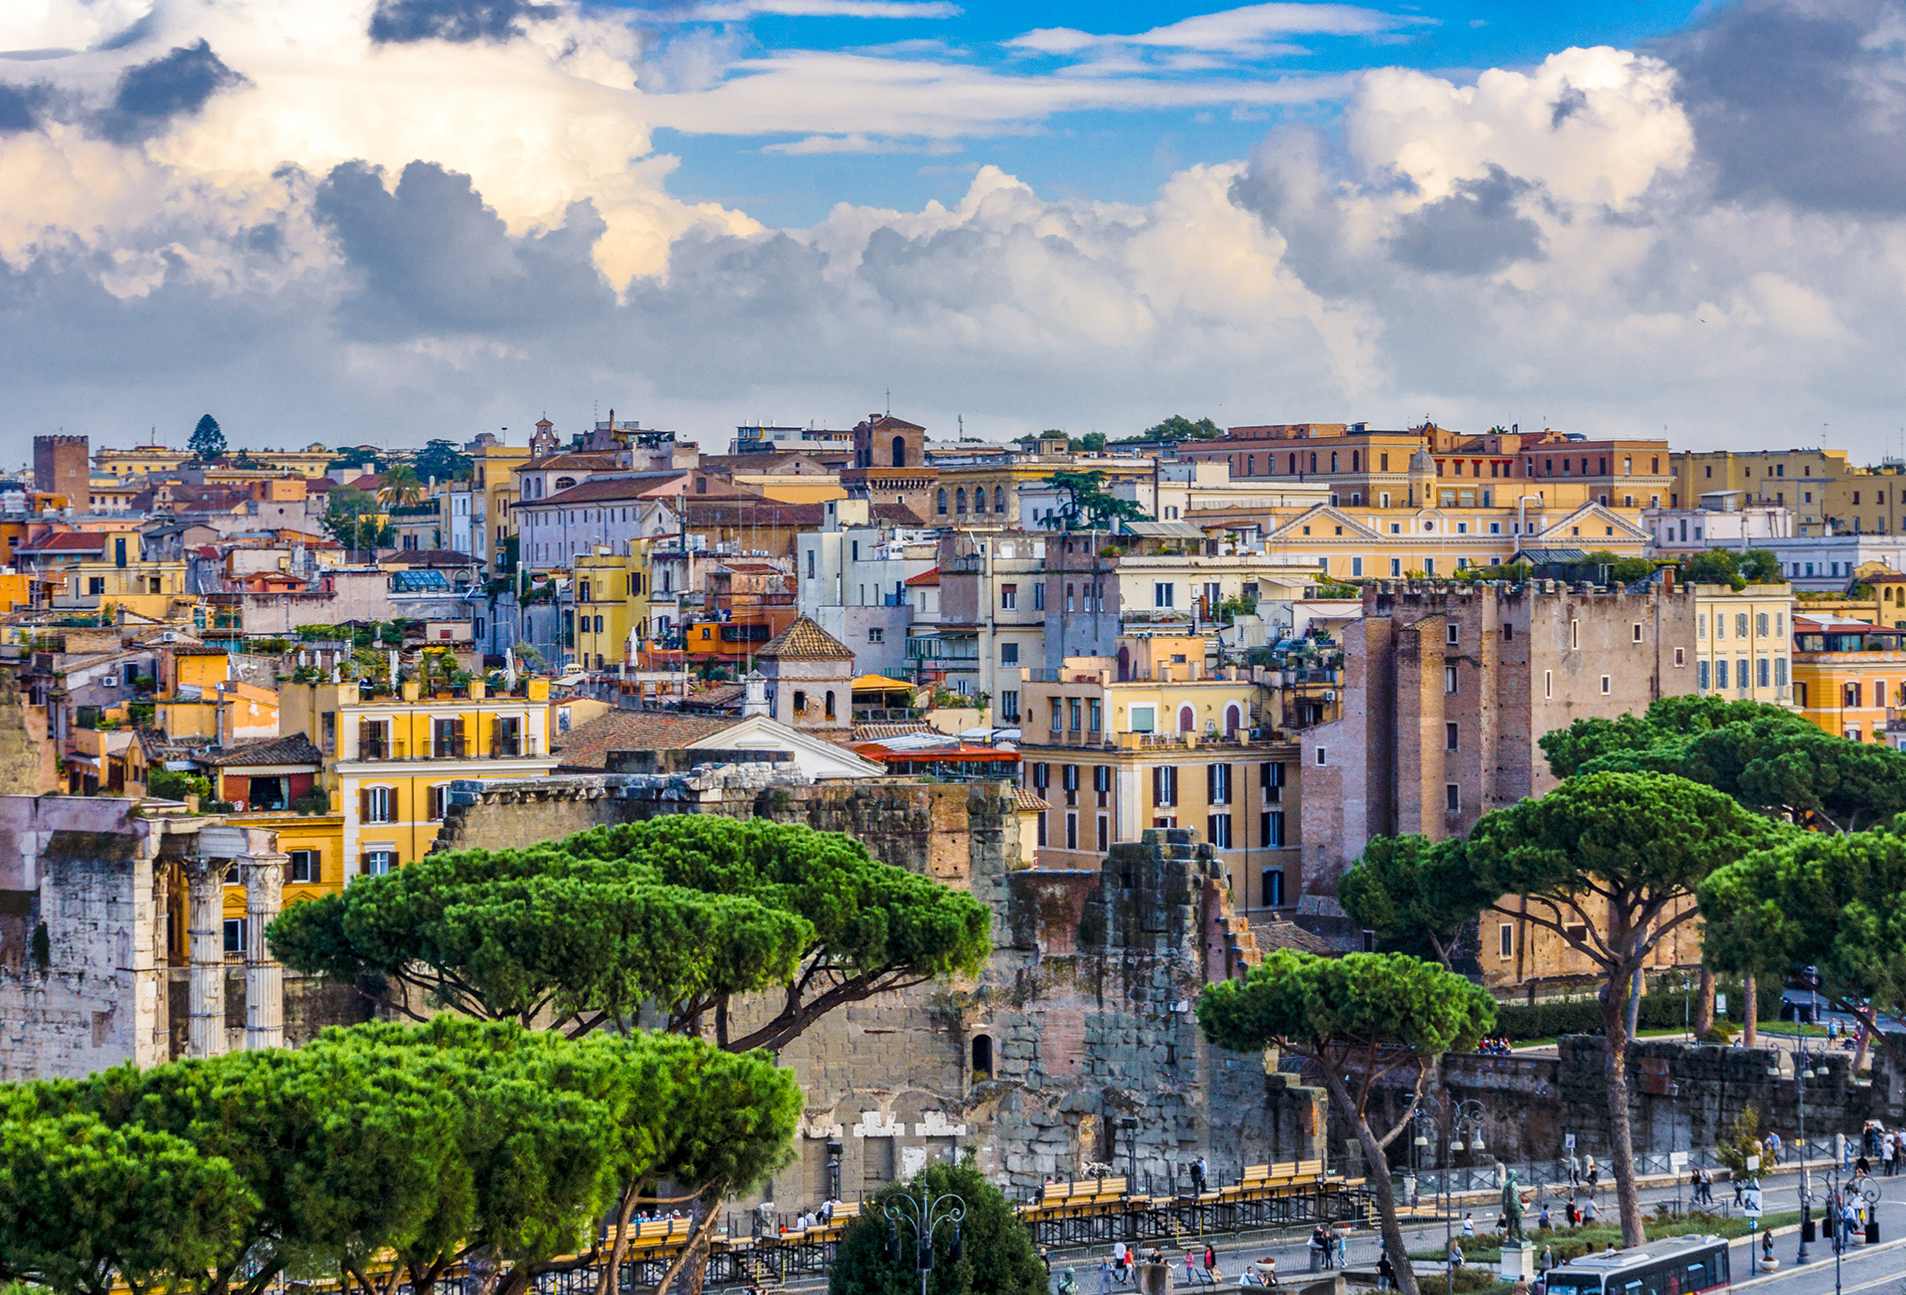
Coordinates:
1720	1004
1677	1160
1568	1143
1753	1164
1750	1201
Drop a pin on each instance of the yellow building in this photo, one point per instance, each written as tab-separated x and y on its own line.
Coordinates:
1803	480
389	761
1742	647
1149	739
1850	677
315	844
493	475
139	460
612	603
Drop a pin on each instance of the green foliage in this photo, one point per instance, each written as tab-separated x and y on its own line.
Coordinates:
1737	571
351	518
1663	1009
1332	1008
425	1141
1622	571
1742	1141
1766	757
1092	442
683	912
1394	890
84	1207
998	1256
1829	902
1179	428
171	784
1090	506
401	487
207	442
440	460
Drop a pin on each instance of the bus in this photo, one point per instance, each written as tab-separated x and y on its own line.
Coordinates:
1677	1266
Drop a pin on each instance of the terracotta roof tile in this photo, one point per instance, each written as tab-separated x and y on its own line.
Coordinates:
925	578
1029	800
296	749
880	732
587	746
804	641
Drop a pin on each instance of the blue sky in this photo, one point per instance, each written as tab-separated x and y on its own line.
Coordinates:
407	218
1118	155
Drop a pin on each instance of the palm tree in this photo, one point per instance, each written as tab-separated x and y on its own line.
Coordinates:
400	488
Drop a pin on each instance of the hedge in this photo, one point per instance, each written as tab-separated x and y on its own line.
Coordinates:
1584	1015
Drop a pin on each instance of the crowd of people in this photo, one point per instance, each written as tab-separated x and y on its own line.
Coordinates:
1495	1045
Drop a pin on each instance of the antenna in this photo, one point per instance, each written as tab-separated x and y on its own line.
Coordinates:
890	402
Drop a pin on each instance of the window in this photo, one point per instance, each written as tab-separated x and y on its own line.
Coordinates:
1041	776
1164	786
1039	597
1763	668
1451	736
1548	684
876	634
1009	597
1450	633
1740	625
800	701
95	584
375	805
1356	566
1449	680
1105	833
234	937
1162	593
378	863
1396	567
1780	673
1009	705
1505	940
446	740
1144	719
1271	829
1219	831
1760	625
1094	715
1720	672
1680	657
1700	625
1637	632
1072	714
1575	635
1009	654
373	739
1217	784
1452	798
1508	632
1322	756
439	795
1701	675
1605	682
328	731
306	868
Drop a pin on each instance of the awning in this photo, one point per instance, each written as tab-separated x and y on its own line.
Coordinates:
880	683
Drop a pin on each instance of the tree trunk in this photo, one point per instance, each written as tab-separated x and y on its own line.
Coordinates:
607	1283
1750	1014
1704	1004
1621	1148
1378	1172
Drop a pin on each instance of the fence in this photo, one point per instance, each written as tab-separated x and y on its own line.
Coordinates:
1647	1164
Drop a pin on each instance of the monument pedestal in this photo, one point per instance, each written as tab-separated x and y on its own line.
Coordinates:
1518	1261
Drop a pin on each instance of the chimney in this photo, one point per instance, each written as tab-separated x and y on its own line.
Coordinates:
755	700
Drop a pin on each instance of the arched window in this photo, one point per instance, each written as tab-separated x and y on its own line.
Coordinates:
1800	695
959	500
900	451
563	483
979	500
1293	465
830	703
1187	720
982	1056
1356	461
1313	460
999	499
943	503
800	701
1232	718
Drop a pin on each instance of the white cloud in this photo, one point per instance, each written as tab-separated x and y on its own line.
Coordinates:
1241	32
741	10
65	24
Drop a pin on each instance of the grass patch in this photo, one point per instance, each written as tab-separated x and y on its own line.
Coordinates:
1572	1243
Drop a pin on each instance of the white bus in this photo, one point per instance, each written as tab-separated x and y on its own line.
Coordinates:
1678	1266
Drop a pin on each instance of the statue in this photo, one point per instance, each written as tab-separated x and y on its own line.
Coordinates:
1512	1210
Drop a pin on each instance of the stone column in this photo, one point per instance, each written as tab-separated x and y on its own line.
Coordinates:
205	907
264	877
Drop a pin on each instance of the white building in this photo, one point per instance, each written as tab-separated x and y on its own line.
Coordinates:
1724	520
609	511
853	577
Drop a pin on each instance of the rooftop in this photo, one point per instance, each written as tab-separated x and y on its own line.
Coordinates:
804	641
587	746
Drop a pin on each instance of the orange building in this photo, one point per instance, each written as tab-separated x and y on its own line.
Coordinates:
1850	678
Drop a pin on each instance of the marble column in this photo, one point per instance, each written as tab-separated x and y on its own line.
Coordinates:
205	986
264	878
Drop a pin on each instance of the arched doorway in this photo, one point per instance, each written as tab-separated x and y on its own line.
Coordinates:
1124	664
900	451
1233	717
1187	720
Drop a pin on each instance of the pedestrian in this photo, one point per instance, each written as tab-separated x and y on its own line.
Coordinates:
1386	1273
1343	1251
1266	1269
1105	1277
1469	1225
1316	1247
1520	1288
1773	1148
1589	1212
1542	1219
1198	1171
1767	1247
1546	1264
1119	1261
1887	1148
1594	1175
1455	1254
1191	1268
1068	1284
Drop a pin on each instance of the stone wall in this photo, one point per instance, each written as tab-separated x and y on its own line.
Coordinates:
1081	1021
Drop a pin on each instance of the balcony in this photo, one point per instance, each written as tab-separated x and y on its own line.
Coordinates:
396	752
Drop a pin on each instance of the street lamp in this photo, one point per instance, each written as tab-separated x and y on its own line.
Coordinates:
1429	1115
924	1214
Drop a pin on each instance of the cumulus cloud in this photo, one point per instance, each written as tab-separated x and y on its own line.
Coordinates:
1244	32
468	222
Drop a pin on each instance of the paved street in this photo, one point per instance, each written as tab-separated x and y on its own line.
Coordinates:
1861	1269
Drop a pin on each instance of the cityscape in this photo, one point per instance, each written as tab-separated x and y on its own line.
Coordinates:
744	647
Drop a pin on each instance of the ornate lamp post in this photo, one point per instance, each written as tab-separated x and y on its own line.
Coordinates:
924	1214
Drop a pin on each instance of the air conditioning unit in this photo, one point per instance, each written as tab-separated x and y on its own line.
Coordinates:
169	636
1330	694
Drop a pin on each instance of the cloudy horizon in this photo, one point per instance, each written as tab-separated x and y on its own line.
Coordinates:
389	220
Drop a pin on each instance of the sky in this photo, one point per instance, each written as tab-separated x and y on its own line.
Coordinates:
388	220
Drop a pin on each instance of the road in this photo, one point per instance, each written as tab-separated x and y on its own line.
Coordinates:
1860	1269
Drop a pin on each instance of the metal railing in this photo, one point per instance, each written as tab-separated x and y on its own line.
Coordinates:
394	752
1648	1164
